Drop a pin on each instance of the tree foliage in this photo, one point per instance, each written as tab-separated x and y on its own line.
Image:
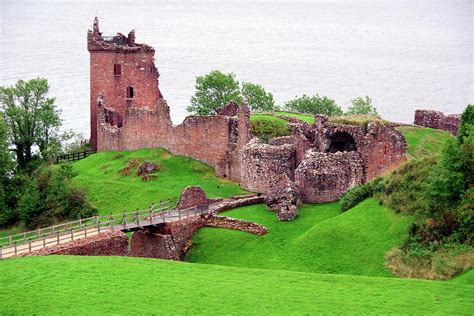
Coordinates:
361	105
32	119
467	123
314	105
257	98
213	91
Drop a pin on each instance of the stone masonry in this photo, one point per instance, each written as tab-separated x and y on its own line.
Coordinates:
437	120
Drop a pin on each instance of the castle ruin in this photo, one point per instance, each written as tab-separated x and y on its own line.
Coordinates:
324	160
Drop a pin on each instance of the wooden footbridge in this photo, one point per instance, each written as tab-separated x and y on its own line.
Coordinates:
128	221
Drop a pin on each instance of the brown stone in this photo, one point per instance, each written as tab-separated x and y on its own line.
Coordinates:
283	198
437	120
146	168
193	196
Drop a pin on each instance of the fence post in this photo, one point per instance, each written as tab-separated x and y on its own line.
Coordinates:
57	238
15	248
169	204
137	218
124	220
151	217
98	224
10	237
72	234
29	244
44	242
85	231
1	251
39	232
163	216
111	221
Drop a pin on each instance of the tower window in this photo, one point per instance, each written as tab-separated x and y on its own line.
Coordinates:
130	92
117	69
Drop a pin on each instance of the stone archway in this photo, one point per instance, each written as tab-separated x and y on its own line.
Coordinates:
341	141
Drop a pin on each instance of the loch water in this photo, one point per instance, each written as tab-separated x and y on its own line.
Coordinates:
404	54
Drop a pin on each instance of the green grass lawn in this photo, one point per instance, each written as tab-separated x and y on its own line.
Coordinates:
304	117
320	240
110	191
422	141
59	285
266	126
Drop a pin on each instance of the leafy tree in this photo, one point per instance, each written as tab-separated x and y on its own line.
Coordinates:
48	198
257	98
467	123
5	163
362	106
314	105
32	119
213	91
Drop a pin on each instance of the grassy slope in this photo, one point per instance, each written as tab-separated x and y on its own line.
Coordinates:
320	240
423	141
304	117
111	192
121	285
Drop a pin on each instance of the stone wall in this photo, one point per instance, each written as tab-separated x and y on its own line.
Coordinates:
216	140
262	164
113	243
437	120
324	177
117	65
235	224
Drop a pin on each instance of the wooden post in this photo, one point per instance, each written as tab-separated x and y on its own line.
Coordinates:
85	231
38	232
111	221
161	206
163	216
10	238
98	227
72	234
137	218
1	251
124	220
151	217
29	244
57	238
15	248
169	204
44	242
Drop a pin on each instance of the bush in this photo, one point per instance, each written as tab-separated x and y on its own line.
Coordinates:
267	127
314	105
358	194
47	198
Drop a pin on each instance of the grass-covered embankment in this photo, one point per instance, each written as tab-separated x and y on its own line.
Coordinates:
119	285
422	141
111	191
320	240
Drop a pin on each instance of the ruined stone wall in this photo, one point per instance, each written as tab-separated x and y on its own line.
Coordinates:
437	120
216	140
263	163
116	65
324	177
113	243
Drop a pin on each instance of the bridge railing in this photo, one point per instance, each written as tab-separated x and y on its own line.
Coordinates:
42	237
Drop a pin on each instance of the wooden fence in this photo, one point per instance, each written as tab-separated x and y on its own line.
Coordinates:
127	221
74	156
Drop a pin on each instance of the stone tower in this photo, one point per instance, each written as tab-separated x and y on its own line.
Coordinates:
122	75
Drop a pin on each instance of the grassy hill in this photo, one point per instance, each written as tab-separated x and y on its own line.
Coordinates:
320	240
423	141
111	191
120	285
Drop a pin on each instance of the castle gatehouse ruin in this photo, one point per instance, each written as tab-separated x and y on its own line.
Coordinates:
322	160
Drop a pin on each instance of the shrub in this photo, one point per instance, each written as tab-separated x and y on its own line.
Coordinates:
314	105
267	127
358	194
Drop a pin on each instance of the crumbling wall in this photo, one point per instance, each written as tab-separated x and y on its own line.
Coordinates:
193	196
324	177
437	120
114	243
263	163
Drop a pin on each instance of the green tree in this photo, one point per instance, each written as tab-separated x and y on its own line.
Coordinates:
32	119
314	105
213	91
5	165
257	98
361	105
467	123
